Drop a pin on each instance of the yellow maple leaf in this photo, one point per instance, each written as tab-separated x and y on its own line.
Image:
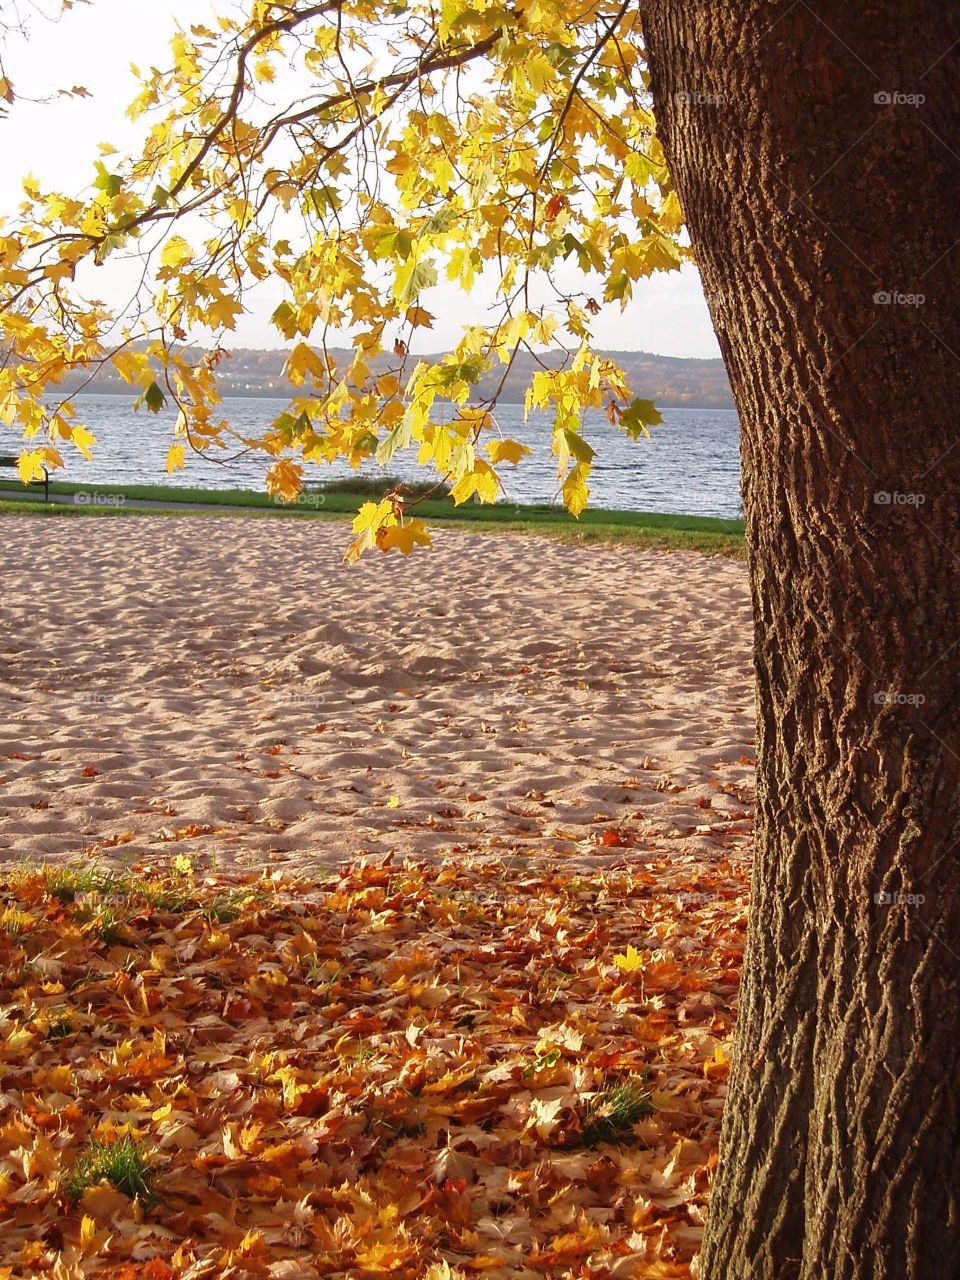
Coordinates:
287	1077
304	362
482	481
368	523
30	466
132	366
175	253
83	439
404	537
671	215
88	1235
379	1257
545	1113
576	494
506	451
285	480
372	515
630	961
223	312
61	1078
176	458
717	1067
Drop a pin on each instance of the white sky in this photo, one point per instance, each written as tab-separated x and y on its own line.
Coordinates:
57	142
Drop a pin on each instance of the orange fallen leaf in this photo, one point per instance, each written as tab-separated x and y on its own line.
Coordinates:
612	838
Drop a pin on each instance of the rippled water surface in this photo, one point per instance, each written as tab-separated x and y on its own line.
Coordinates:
689	465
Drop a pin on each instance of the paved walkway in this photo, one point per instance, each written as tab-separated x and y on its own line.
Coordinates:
118	502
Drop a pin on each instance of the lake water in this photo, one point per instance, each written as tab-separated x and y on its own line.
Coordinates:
690	465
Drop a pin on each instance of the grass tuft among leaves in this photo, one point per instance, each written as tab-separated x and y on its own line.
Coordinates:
123	1163
107	924
74	881
615	1111
226	907
101	889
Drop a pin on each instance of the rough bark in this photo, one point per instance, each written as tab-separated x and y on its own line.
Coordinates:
812	183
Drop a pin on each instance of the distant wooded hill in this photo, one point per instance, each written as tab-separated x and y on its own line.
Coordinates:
667	380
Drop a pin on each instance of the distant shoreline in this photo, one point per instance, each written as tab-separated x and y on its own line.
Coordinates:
676	382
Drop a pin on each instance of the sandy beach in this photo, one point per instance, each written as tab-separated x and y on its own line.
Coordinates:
226	689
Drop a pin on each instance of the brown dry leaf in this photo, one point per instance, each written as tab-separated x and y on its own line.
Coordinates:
390	1072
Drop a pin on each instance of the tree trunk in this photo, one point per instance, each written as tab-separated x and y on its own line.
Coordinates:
816	151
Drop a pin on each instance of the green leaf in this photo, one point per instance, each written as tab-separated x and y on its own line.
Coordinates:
111	183
154	398
442	220
661	255
578	446
638	416
399	438
423	276
618	289
588	255
389	242
469	371
285	318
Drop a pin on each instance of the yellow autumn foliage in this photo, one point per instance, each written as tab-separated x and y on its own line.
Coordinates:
398	147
